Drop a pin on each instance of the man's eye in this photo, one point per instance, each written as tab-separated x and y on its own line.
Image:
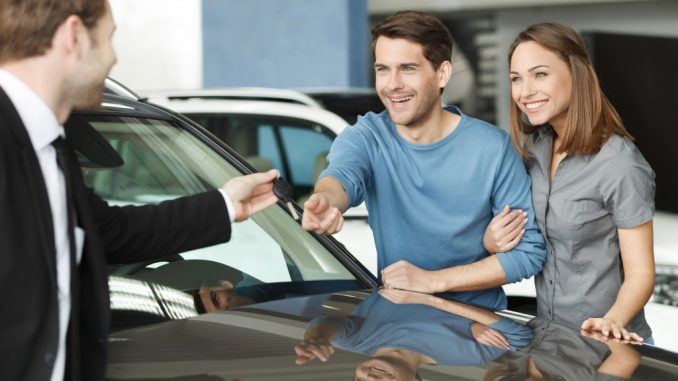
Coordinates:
540	75
381	69
408	68
514	79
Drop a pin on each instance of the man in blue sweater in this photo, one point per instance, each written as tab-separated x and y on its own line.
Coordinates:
432	177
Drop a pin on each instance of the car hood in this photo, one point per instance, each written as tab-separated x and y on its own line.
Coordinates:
257	342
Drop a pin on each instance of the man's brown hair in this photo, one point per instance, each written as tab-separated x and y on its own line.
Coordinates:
591	119
421	28
28	26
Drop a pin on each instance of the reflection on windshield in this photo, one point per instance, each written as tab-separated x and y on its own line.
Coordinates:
162	160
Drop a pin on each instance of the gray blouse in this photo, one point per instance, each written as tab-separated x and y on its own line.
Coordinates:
579	212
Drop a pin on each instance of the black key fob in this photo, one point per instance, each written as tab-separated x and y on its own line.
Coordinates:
284	191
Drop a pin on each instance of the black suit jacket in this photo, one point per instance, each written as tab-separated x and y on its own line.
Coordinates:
28	288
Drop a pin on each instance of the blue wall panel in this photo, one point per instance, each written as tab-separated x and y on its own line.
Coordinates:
285	43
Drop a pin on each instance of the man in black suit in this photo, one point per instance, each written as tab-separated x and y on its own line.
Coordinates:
56	236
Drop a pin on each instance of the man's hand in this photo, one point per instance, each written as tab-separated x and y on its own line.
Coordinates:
320	216
405	297
488	336
406	276
251	194
314	347
505	230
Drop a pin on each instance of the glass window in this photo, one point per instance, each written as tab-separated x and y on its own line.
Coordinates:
163	161
306	150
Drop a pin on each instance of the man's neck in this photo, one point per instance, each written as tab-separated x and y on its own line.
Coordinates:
40	77
435	127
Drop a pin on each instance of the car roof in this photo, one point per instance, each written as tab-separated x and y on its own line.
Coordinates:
312	91
235	93
251	107
113	87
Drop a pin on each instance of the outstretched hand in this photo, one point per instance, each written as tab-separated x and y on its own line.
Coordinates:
320	216
251	193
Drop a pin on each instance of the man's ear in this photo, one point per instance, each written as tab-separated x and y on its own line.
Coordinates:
444	73
70	37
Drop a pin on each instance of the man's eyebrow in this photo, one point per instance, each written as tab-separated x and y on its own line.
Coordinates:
409	64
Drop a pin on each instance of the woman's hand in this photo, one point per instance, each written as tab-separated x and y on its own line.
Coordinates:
505	230
488	336
313	347
610	328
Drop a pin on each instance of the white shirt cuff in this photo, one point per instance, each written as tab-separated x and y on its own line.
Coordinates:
229	205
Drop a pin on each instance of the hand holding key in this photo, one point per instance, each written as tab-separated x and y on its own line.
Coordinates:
284	191
252	193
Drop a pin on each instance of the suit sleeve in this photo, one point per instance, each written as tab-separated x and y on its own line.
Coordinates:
136	233
513	187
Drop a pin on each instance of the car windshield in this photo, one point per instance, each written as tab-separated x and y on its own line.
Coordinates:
162	161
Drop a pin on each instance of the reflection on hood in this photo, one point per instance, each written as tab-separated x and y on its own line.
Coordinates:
445	337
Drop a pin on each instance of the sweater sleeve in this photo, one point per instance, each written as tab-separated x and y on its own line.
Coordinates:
512	186
349	163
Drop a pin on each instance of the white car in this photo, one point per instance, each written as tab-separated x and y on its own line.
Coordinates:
291	137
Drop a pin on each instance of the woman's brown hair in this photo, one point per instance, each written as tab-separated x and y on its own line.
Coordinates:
591	118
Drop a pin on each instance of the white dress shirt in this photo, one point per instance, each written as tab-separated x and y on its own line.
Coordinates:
43	128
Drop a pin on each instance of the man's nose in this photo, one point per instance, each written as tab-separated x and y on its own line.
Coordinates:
395	81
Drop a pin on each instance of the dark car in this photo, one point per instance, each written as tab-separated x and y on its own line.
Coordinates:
253	308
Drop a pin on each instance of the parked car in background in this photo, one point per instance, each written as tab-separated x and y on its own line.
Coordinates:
293	138
267	94
348	103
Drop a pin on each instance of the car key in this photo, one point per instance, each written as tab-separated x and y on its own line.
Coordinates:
284	191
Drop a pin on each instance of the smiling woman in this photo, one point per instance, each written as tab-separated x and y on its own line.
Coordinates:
592	189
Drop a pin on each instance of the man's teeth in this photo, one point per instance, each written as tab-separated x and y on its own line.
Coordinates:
400	100
531	106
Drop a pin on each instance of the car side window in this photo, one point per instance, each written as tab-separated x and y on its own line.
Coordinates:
304	147
295	147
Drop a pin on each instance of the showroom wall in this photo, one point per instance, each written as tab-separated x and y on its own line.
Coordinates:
289	43
158	43
211	43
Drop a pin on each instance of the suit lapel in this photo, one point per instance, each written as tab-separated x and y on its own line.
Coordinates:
37	191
